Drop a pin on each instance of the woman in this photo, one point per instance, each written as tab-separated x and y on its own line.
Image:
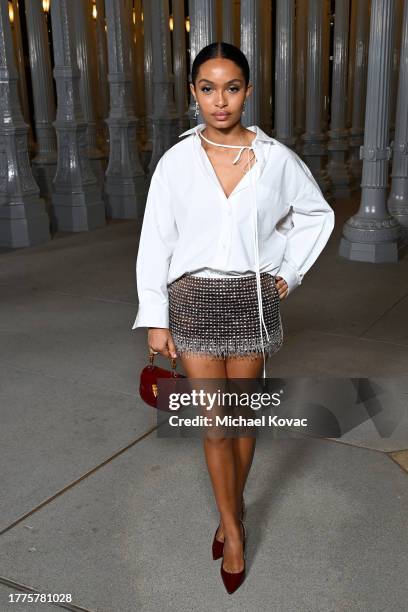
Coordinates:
233	221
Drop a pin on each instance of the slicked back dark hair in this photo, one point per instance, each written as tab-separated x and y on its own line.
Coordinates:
220	49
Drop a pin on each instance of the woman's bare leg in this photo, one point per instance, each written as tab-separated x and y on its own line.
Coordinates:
228	459
220	459
244	447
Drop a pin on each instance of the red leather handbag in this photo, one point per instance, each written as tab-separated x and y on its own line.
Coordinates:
148	381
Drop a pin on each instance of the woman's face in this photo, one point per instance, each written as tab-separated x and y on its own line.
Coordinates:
220	92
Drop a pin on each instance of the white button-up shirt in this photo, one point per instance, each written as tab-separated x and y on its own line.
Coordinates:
190	225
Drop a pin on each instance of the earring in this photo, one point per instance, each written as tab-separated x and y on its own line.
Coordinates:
197	109
243	108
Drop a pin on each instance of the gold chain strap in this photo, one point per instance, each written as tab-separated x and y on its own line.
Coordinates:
173	361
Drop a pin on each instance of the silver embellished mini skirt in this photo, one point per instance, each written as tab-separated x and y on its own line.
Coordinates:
219	316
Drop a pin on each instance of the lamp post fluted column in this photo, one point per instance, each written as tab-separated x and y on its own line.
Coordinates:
250	45
44	163
398	198
351	59
396	55
284	72
87	84
227	21
20	66
202	33
360	9
139	75
23	219
102	101
314	138
266	66
148	76
326	33
300	69
372	233
179	62
77	199
165	124
125	183
338	145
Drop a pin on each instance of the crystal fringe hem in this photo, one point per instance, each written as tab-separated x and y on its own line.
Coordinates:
232	348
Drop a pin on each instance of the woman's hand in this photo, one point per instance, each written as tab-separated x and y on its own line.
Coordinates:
159	339
282	287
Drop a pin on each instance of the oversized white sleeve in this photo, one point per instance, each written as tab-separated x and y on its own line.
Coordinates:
157	241
312	223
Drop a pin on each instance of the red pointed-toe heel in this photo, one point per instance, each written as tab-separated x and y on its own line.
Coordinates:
217	546
233	580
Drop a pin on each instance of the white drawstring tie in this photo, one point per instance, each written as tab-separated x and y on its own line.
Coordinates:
255	229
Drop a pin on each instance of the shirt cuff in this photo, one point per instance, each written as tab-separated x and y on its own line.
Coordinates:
290	275
152	317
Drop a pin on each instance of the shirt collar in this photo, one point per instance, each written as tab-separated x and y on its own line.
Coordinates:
260	134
